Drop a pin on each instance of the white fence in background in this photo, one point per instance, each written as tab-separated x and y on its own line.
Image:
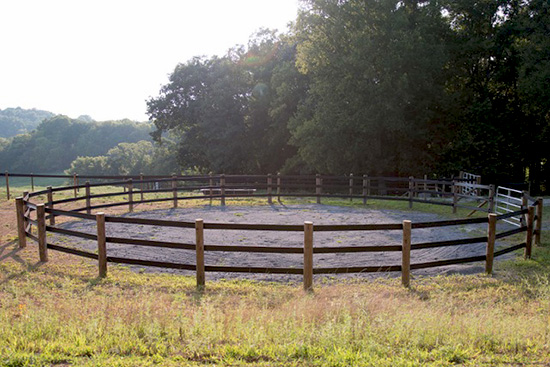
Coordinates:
472	180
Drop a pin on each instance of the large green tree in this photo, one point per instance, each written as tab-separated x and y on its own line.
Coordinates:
230	113
204	106
405	87
482	110
497	107
377	73
533	44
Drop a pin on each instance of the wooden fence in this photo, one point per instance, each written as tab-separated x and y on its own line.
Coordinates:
357	182
42	216
359	187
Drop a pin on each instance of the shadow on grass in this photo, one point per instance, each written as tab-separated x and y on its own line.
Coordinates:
11	251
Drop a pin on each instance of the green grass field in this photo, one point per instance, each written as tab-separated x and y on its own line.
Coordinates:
60	314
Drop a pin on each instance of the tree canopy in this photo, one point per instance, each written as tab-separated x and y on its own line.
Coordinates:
384	87
14	121
142	157
230	113
56	142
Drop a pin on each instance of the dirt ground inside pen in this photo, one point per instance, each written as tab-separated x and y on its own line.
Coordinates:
281	214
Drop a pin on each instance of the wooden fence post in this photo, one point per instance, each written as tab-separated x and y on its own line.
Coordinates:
74	185
279	187
365	188
269	188
88	199
32	182
411	191
538	228
41	225
199	248
308	256
524	205
455	189
26	209
101	245
351	187
7	185
318	183
491	237
529	235
175	190
50	205
425	187
406	254
130	195
21	233
492	194
211	184
141	186
222	189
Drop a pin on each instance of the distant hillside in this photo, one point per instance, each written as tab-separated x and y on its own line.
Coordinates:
56	142
14	121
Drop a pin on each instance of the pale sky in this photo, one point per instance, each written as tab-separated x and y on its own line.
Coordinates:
105	58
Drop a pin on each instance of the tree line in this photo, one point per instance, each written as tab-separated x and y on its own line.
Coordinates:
59	140
383	87
15	121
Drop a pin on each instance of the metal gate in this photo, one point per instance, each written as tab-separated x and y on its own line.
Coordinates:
509	200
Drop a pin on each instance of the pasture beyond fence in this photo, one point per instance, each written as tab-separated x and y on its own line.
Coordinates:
35	219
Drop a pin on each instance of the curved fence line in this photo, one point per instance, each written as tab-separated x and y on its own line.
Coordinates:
26	210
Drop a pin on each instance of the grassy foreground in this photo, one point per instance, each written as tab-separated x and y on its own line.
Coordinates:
61	314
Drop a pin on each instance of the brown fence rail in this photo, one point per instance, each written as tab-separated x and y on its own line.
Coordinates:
35	214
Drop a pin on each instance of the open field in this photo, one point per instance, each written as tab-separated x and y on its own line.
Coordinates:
61	314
